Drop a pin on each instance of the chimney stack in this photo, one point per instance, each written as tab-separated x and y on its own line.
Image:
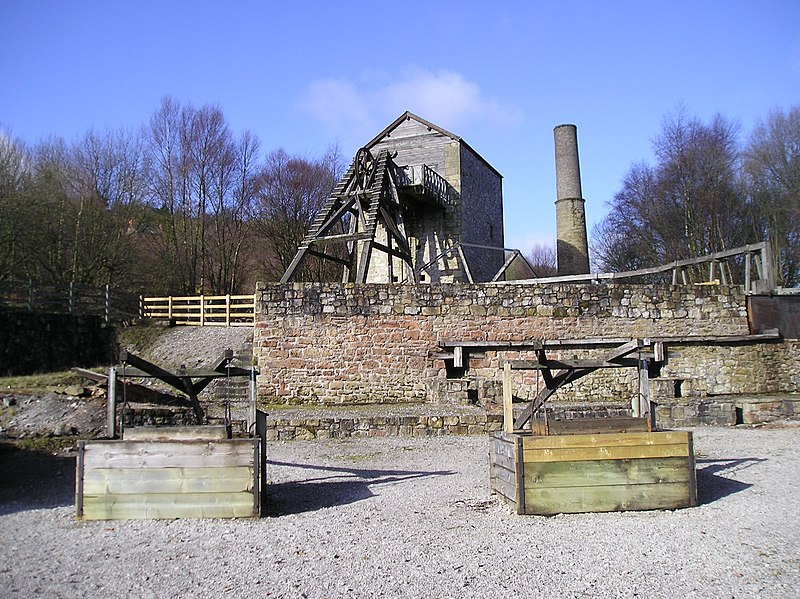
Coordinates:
572	246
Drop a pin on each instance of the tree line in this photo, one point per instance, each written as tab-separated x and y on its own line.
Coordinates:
184	206
179	206
707	192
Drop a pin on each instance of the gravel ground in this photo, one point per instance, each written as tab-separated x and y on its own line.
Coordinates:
412	517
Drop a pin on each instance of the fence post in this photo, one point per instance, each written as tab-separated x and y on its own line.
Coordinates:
71	297
228	310
141	307
169	308
111	426
108	303
202	311
252	393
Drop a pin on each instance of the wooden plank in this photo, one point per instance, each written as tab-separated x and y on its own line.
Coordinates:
601	473
606	439
577	454
200	505
168	454
176	433
520	475
505	462
506	490
508	409
138	481
610	424
548	501
693	470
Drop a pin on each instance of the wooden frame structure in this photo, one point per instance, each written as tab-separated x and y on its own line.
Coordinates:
756	256
188	381
374	191
557	373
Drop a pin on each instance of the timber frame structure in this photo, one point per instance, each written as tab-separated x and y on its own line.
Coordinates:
557	373
188	381
373	193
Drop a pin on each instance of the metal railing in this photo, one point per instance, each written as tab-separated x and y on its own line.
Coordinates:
201	310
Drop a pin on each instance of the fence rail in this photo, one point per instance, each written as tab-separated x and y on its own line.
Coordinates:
201	310
107	302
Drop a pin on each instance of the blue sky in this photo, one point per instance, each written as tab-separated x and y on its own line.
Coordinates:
303	75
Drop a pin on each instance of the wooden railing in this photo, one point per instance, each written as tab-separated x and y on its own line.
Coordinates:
201	310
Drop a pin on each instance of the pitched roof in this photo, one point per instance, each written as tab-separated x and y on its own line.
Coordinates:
410	115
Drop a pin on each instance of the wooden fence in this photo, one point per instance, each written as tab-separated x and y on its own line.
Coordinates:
201	310
112	304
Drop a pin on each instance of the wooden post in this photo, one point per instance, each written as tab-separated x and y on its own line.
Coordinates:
748	287
766	263
111	427
141	306
228	310
202	311
458	356
508	407
251	396
71	297
169	309
641	404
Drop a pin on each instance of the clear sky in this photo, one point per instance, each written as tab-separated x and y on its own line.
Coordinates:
303	75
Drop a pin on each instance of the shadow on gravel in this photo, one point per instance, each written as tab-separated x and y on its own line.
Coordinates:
32	479
341	487
711	486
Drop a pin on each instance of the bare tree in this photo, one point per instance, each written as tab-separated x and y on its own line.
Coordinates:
14	181
193	160
772	168
290	193
543	260
689	204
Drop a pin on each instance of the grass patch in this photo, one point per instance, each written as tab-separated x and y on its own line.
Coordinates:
140	337
52	445
34	383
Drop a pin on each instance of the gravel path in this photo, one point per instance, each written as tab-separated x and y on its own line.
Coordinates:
411	518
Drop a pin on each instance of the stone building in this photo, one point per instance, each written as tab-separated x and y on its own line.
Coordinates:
418	205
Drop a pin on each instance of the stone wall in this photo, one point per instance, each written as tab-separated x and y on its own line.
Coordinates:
39	342
342	344
481	215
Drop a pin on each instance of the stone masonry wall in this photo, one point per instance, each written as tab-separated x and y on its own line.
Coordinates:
342	344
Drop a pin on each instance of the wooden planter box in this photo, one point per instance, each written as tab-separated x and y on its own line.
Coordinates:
195	478
593	472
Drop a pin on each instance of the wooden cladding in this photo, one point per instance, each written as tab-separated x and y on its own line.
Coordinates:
593	472
168	479
201	310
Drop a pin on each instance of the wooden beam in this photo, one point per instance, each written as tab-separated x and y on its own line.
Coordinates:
508	407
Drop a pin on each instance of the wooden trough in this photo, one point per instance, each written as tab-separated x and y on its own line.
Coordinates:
597	472
593	464
159	473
